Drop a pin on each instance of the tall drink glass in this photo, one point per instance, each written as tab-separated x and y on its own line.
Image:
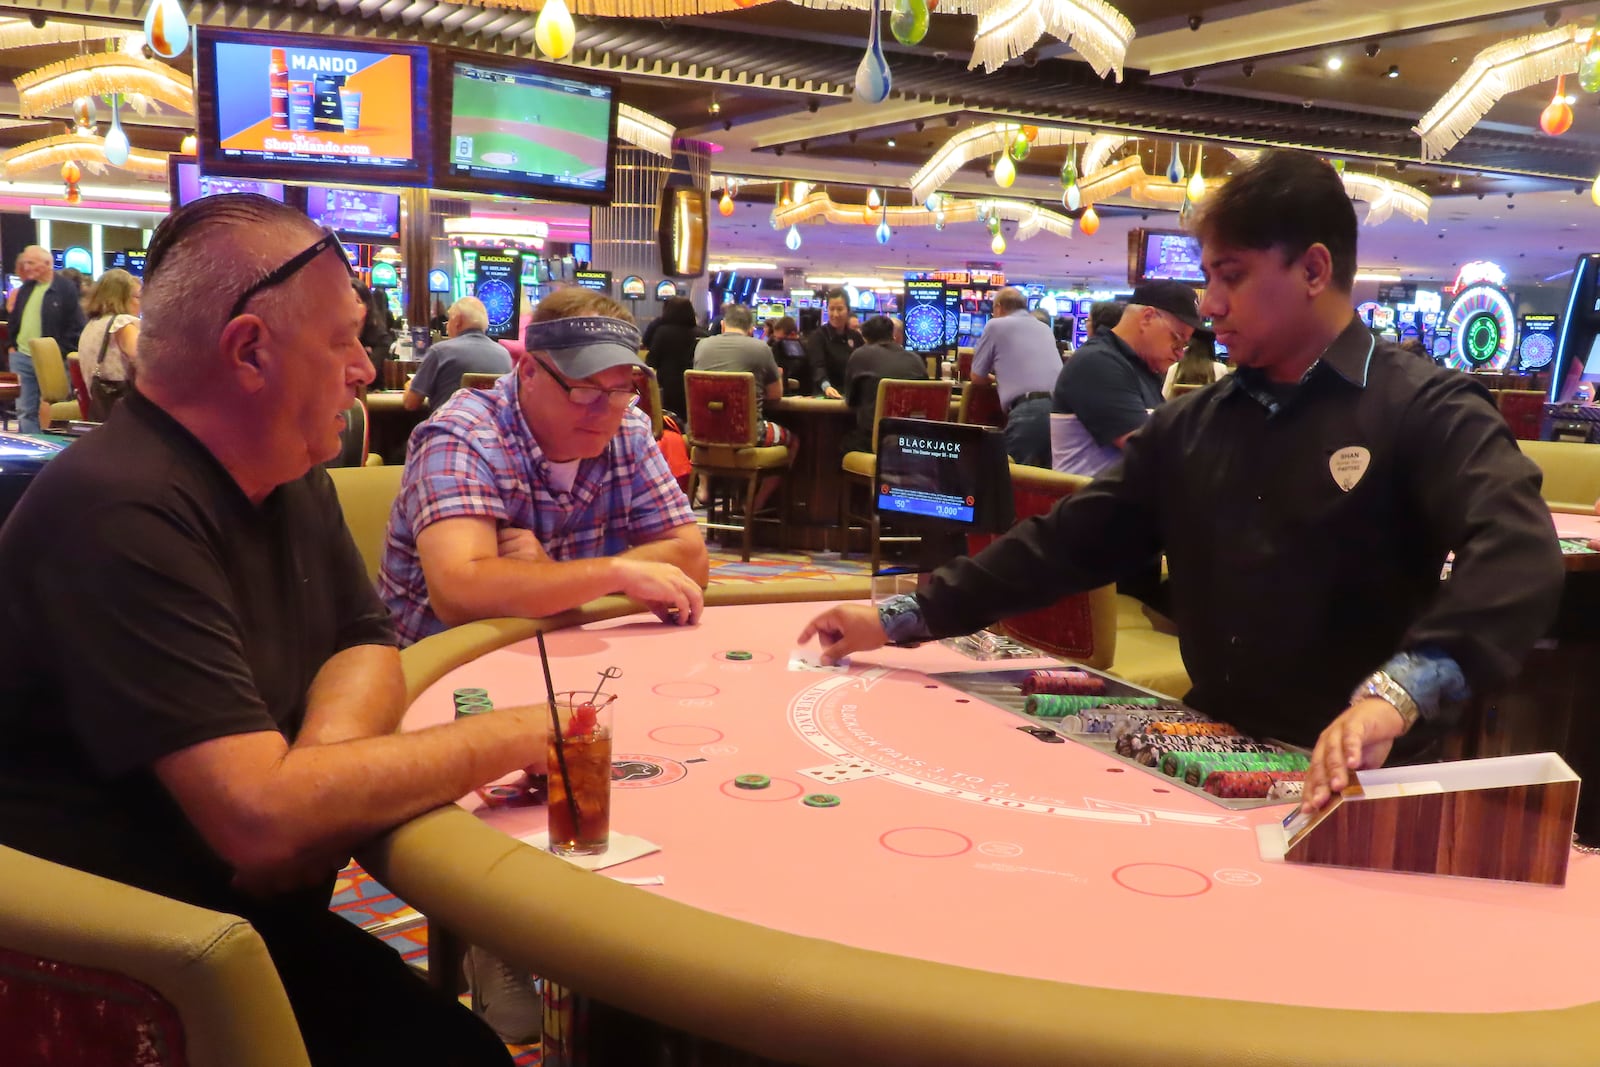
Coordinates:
579	768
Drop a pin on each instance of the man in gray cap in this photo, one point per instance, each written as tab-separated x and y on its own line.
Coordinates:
1113	381
546	492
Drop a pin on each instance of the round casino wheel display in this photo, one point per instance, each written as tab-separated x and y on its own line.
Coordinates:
1483	324
498	300
925	328
1536	351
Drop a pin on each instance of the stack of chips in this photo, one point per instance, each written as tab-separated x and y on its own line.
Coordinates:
1194	729
1149	747
472	702
1063	682
1250	785
1287	788
1119	724
1057	705
1196	767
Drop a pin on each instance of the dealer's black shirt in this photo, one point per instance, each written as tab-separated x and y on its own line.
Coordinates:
150	606
1287	588
827	354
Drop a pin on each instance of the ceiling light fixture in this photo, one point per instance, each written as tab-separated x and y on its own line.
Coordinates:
1393	72
1335	63
890	142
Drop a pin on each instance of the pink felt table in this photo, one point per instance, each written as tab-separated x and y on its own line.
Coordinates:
981	846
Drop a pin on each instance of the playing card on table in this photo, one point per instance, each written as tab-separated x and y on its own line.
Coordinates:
847	771
801	660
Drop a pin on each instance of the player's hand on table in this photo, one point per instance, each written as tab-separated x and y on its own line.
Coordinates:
516	543
1360	737
844	629
664	589
831	393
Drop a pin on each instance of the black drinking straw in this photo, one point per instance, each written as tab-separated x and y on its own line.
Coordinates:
555	726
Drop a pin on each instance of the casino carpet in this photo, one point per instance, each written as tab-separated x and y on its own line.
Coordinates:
372	907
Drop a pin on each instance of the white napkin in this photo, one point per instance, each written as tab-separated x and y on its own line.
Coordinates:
624	847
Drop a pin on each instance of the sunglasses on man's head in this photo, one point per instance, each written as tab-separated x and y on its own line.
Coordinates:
292	267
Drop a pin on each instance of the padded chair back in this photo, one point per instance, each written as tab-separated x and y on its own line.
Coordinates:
722	408
1571	474
910	398
51	370
80	388
1523	410
353	438
476	380
980	405
1179	388
366	496
649	390
96	972
964	364
1080	627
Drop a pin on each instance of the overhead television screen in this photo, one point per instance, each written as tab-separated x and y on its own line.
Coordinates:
310	108
358	212
189	184
1168	255
523	129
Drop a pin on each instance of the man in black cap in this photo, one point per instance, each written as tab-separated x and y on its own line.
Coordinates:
1306	506
1113	382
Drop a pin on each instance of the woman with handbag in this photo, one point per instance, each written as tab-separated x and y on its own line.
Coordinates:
106	349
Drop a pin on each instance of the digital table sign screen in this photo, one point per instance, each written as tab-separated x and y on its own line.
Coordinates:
946	474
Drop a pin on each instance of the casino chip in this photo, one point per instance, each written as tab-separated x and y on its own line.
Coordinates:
739	655
752	781
822	800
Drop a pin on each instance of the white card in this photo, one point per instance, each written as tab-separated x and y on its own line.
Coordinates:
801	660
846	771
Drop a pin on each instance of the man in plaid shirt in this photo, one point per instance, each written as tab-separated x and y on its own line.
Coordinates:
545	492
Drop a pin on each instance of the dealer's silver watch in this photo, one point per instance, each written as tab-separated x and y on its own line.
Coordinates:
1378	684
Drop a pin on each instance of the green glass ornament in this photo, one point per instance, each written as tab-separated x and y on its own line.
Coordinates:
908	21
1589	66
1020	147
1069	170
994	225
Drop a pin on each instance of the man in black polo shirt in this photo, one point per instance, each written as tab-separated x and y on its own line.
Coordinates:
1306	506
828	349
881	357
199	688
1113	381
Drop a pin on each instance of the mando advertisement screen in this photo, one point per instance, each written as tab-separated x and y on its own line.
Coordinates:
316	105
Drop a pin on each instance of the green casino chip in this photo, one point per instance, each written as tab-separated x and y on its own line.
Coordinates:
752	781
822	800
472	694
740	655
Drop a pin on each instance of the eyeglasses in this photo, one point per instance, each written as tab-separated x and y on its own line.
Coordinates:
296	264
1179	341
590	395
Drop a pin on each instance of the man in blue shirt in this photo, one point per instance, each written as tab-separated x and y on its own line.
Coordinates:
1306	506
1020	352
1113	381
468	350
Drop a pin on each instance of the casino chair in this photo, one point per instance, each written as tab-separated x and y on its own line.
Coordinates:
980	404
354	440
366	496
898	398
80	388
479	381
93	972
1099	628
1179	388
1571	474
1523	410
55	388
722	446
649	391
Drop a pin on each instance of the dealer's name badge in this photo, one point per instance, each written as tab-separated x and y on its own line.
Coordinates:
1348	465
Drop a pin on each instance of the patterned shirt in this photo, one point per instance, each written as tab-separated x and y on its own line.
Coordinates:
477	458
